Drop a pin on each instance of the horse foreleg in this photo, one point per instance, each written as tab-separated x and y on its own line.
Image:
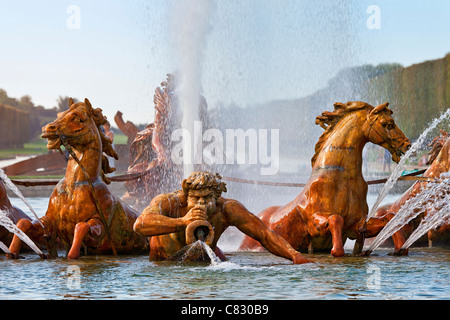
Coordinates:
84	232
376	224
324	223
31	229
360	229
399	241
335	226
359	243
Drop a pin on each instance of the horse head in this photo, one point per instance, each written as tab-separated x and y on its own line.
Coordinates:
380	128
77	127
74	125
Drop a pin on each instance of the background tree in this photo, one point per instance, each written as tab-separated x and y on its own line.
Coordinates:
63	103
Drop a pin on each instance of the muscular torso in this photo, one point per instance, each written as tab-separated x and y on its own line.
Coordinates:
173	205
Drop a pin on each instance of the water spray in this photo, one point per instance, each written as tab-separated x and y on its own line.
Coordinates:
190	26
14	189
433	198
398	170
4	248
6	222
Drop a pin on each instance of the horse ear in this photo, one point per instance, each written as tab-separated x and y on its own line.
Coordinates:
88	104
381	108
71	102
339	105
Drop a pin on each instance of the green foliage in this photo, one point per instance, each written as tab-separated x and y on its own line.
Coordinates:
120	138
417	94
63	103
38	115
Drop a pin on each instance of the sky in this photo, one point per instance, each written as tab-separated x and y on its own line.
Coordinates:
115	53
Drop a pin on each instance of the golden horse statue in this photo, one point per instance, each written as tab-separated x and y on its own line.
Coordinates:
438	162
82	212
333	206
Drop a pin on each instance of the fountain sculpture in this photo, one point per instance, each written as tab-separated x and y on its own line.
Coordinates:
438	161
333	205
169	217
82	212
150	151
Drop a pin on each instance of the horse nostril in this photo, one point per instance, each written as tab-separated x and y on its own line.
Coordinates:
48	128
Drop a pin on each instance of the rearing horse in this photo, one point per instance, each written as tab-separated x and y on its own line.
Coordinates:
333	205
82	211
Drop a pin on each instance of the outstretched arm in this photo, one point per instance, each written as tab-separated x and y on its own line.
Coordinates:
155	219
237	215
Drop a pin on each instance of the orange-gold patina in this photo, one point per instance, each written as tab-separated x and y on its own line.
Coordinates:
438	163
333	206
82	212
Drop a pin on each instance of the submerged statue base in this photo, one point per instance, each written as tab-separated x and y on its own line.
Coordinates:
195	252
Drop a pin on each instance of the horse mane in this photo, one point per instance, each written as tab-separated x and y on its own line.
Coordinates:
436	146
328	121
99	119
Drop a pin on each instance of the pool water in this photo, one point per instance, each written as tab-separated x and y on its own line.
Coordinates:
424	274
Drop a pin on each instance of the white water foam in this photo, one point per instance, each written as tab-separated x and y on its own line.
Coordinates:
437	214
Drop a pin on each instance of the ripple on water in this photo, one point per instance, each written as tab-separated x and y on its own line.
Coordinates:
422	274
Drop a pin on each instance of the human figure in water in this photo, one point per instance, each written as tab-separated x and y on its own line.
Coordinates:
166	218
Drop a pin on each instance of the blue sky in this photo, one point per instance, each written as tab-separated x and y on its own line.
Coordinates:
255	50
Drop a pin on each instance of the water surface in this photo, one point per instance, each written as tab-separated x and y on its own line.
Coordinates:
424	274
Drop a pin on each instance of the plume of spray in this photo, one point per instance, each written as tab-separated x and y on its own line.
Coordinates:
190	26
413	207
432	199
398	170
19	194
6	222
